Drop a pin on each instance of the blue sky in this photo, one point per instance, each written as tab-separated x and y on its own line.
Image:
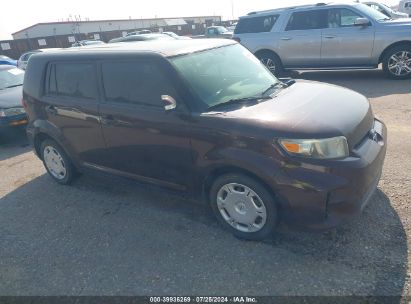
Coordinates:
29	12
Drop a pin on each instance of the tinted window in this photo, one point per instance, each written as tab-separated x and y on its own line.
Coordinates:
73	79
137	82
308	20
408	4
341	17
256	24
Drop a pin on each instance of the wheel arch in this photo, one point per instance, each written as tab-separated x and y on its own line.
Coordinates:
388	48
38	139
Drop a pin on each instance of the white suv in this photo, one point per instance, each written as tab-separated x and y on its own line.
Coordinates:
328	36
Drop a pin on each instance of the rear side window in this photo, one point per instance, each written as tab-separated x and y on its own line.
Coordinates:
408	4
256	24
76	80
136	82
308	20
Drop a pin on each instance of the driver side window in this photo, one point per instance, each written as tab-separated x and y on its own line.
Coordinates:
341	17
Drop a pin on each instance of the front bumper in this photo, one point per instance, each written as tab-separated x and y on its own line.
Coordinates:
13	121
325	195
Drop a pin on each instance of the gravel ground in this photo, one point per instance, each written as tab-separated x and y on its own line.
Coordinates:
110	236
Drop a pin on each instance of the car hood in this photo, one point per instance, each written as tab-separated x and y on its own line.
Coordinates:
312	110
398	22
11	97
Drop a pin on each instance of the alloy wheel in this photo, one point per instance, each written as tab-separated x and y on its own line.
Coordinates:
269	63
399	64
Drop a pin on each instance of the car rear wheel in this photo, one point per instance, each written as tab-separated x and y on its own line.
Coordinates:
397	62
244	206
56	162
272	62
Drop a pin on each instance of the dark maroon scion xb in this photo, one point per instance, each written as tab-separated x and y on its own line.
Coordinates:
206	117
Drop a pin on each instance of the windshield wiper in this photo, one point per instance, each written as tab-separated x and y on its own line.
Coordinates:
14	85
273	86
239	100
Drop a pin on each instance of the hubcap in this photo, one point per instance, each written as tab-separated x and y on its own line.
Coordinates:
399	64
269	63
54	162
241	207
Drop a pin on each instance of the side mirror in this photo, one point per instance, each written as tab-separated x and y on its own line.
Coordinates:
361	22
169	102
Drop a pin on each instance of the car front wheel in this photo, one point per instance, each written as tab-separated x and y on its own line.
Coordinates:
244	206
397	62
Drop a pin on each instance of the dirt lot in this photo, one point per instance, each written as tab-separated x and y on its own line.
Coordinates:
105	235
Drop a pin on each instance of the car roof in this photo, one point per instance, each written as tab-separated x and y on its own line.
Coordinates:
42	50
165	48
297	7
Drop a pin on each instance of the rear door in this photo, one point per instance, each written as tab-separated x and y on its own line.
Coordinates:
300	42
71	104
142	138
344	43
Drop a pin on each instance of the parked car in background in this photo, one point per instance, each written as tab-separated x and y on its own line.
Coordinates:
328	36
139	32
87	42
7	60
24	58
206	117
12	112
386	10
175	36
216	32
405	7
141	37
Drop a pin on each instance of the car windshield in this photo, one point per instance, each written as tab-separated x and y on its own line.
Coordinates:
11	78
371	12
224	74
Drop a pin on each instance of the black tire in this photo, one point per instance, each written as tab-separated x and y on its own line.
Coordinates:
387	59
70	171
266	56
267	199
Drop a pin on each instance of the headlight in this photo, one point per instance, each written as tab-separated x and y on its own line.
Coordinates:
326	148
11	111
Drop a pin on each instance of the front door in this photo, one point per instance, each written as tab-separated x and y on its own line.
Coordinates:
300	42
344	43
142	138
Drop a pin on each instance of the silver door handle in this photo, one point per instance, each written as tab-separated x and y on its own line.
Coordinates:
286	38
329	37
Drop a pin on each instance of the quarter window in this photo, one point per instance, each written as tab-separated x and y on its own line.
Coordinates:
136	82
256	24
341	17
76	80
308	20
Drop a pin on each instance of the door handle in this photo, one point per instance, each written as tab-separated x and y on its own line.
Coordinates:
286	38
51	110
329	37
